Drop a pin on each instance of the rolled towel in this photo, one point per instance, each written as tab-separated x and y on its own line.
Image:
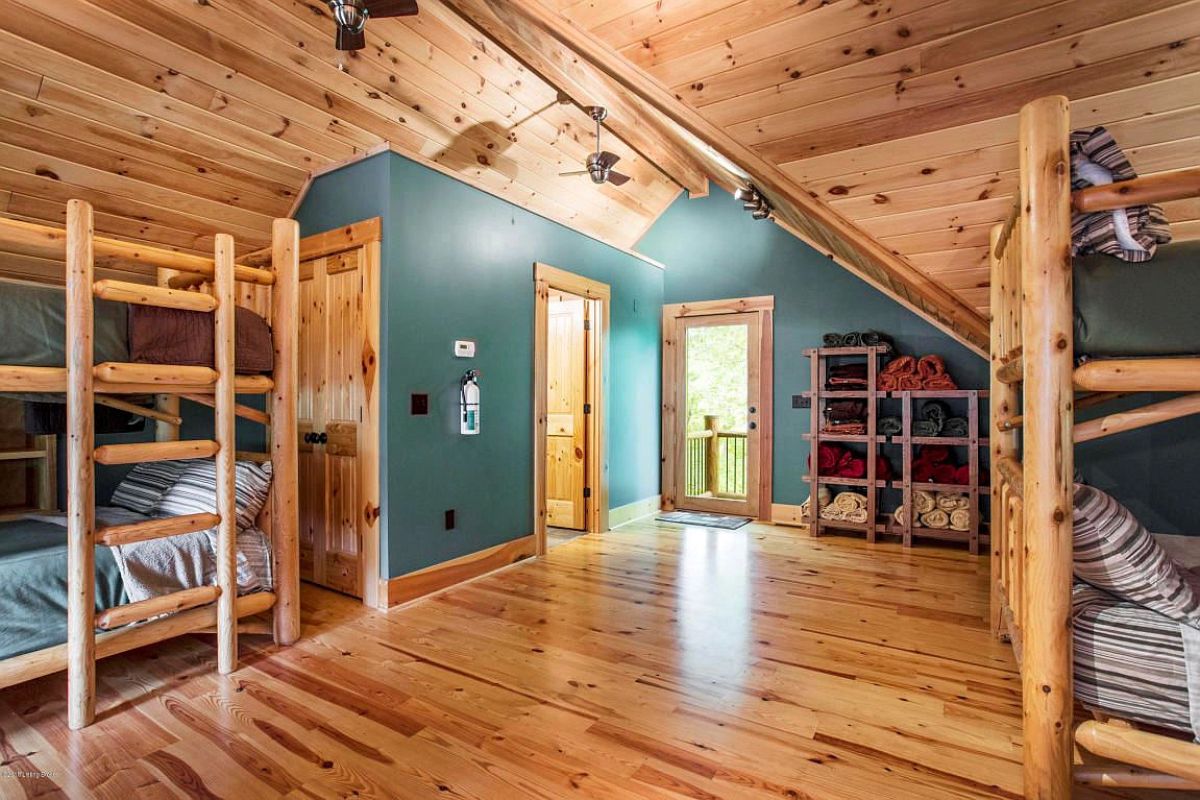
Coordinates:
889	426
939	383
898	516
923	501
883	468
962	475
877	339
910	383
930	365
926	428
903	365
960	519
964	502
935	519
858	516
947	501
853	468
823	497
935	411
956	426
849	501
922	472
828	456
945	473
934	454
887	383
832	340
852	339
831	512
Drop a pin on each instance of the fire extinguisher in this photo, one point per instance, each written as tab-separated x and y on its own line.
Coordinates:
469	402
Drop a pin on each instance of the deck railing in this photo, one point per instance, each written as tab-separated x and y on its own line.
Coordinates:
715	461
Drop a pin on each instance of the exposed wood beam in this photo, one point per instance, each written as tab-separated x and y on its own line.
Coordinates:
629	119
539	35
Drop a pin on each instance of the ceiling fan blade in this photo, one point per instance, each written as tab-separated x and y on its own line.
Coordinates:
617	179
392	8
571	174
608	159
350	40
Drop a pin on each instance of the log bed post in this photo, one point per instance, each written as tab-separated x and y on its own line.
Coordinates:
225	422
81	511
168	404
1047	348
285	254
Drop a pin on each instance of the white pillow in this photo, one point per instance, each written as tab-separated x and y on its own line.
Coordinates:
195	491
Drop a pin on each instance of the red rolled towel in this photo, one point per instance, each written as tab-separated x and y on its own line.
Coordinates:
962	475
853	468
887	383
883	468
922	471
828	456
910	383
934	454
944	473
939	383
904	365
930	365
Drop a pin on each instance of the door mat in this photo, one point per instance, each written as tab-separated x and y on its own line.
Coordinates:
704	520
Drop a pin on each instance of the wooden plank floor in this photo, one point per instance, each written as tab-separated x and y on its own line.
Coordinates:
650	662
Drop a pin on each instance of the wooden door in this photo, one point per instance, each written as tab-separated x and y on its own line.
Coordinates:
566	429
330	412
717	393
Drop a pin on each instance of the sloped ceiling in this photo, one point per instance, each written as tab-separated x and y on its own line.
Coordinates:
178	119
901	114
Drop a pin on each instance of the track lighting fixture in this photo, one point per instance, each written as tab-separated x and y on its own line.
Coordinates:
753	201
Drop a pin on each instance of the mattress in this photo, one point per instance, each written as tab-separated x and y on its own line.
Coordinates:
33	332
1125	310
33	585
1135	663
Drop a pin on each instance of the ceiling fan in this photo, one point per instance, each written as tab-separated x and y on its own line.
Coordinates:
351	18
600	163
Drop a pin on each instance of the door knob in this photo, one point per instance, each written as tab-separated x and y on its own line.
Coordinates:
308	438
322	438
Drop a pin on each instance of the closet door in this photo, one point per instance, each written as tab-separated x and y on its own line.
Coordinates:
330	413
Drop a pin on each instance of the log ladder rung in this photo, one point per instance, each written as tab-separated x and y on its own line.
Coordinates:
165	375
114	535
157	296
156	606
156	451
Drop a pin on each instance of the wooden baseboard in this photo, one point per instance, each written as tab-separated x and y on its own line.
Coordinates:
783	514
414	585
633	511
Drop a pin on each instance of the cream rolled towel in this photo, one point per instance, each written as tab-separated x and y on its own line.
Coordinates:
850	501
823	496
898	516
923	501
964	502
947	501
960	519
858	515
832	513
936	519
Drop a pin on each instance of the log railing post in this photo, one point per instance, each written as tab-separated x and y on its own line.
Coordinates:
225	422
712	471
1003	403
81	509
1047	347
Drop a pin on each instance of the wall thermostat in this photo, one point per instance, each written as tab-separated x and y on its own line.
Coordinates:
464	348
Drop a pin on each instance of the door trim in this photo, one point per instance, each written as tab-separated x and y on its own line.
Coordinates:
545	278
764	307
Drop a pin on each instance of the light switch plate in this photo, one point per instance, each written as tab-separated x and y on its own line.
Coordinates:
464	348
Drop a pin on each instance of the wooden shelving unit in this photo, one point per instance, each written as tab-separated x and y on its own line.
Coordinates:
819	362
883	523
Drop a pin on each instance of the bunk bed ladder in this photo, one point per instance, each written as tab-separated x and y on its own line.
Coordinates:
82	456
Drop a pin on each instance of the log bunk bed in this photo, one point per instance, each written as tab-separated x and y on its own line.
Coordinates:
1034	382
270	277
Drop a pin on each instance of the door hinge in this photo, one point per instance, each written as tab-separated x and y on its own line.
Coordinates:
587	324
587	408
587	492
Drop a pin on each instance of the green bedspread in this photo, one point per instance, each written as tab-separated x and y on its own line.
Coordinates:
33	327
33	585
1137	310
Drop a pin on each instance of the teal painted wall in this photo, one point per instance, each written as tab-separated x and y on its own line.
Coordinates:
458	264
713	250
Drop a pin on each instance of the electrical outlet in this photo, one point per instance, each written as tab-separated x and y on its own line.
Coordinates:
800	401
450	519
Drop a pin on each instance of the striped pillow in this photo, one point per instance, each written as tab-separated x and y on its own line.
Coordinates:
195	492
145	485
1115	552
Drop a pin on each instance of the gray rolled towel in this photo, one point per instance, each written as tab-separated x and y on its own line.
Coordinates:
957	427
890	426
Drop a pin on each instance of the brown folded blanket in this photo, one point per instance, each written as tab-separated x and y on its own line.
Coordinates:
846	411
846	428
173	336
